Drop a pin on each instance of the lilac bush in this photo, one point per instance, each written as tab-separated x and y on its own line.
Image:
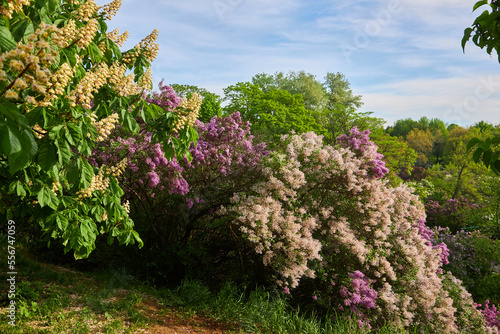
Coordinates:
322	213
491	315
463	260
174	202
224	146
171	196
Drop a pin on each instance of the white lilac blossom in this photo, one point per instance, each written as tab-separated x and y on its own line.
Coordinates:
327	208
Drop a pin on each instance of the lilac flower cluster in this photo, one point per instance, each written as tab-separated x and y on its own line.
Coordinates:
491	315
225	143
225	150
360	143
146	164
224	146
166	98
359	295
427	234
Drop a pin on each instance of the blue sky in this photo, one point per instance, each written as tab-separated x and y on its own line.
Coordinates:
404	57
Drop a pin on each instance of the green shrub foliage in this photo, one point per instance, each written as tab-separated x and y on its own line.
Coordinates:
64	85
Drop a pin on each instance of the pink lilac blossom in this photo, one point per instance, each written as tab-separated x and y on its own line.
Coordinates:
166	98
324	207
359	142
359	295
491	316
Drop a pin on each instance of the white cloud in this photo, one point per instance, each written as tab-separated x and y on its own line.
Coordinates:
461	100
403	56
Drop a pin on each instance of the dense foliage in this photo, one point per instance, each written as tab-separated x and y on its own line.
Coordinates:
321	220
485	33
287	186
456	214
324	213
64	85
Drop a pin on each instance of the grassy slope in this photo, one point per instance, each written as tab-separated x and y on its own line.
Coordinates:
54	299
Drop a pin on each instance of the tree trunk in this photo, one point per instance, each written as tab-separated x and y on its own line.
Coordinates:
459	183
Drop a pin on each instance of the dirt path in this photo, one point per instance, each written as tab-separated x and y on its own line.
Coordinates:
170	321
84	309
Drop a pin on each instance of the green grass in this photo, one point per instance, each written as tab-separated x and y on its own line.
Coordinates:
54	299
257	311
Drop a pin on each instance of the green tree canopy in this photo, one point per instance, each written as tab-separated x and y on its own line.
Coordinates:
273	112
302	83
188	90
422	142
339	92
435	125
402	127
462	171
484	126
243	98
210	107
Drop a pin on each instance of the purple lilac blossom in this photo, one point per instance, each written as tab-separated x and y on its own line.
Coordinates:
427	234
360	143
491	315
225	146
360	295
166	98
